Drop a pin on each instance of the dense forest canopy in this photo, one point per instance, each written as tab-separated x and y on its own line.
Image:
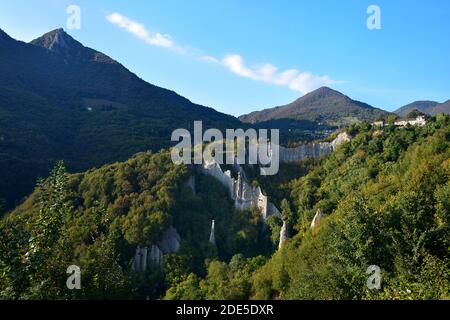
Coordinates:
96	219
385	197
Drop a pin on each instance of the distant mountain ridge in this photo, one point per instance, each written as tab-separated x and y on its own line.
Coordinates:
323	105
62	100
427	107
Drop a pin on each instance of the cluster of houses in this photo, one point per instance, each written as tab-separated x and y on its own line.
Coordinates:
419	121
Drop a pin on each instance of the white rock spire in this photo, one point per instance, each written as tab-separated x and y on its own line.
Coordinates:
284	235
212	237
317	218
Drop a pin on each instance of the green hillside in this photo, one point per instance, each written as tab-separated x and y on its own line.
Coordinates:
96	220
385	198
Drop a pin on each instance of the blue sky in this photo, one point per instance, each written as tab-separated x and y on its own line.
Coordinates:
241	56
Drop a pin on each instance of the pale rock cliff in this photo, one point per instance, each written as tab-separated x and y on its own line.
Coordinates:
245	195
152	256
284	235
170	241
317	218
212	236
311	150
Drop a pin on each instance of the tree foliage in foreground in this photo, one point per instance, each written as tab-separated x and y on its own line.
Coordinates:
96	219
386	199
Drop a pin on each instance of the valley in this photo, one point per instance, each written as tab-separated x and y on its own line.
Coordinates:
88	179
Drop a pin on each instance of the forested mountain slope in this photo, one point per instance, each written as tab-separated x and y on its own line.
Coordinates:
62	100
96	220
385	197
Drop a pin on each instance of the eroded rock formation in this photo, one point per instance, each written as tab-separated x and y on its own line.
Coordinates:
152	256
284	235
170	241
212	236
317	218
245	195
311	150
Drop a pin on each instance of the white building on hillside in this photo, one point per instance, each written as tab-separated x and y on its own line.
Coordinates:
419	121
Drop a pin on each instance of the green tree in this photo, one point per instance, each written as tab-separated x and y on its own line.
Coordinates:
414	114
188	289
391	119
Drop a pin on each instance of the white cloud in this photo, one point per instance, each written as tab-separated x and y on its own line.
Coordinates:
236	65
303	82
209	59
139	30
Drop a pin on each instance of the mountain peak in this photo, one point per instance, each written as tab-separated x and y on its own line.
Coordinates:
61	43
4	35
326	90
57	41
323	105
323	93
